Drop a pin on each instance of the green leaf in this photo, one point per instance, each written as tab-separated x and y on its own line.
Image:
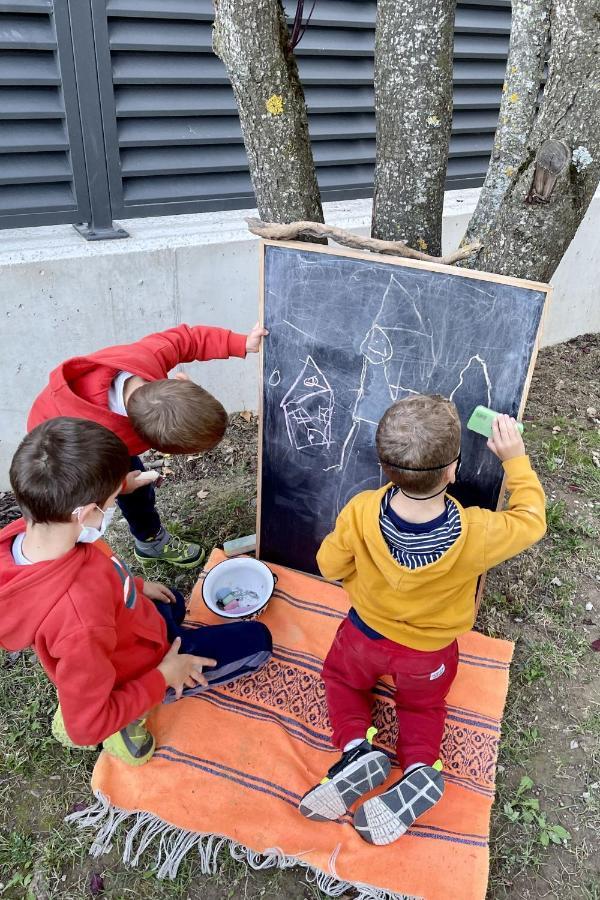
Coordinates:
532	803
561	832
544	839
524	785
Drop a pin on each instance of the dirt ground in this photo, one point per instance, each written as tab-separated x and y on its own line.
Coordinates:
546	820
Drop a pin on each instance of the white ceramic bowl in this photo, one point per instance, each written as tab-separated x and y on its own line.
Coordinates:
239	573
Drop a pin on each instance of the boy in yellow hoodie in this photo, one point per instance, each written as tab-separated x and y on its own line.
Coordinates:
409	556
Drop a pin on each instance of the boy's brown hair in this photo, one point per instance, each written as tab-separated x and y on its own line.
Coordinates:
420	432
65	463
177	416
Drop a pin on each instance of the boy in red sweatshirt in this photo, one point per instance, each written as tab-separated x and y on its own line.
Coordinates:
109	642
126	389
409	556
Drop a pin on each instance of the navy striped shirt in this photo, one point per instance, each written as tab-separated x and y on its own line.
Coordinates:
417	544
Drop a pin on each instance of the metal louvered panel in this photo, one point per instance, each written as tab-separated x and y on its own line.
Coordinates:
42	174
119	107
171	119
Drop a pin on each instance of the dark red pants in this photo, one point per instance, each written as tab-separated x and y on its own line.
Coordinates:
350	672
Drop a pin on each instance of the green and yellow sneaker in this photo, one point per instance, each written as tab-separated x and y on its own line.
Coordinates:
175	551
357	772
133	745
59	733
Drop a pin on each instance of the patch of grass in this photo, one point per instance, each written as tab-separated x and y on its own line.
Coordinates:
525	809
550	658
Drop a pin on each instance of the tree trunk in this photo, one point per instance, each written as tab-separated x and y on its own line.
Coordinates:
251	38
413	109
529	240
524	72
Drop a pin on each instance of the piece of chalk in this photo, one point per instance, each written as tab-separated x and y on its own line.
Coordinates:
240	545
481	421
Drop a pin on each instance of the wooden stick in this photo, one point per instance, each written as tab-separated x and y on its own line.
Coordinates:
274	232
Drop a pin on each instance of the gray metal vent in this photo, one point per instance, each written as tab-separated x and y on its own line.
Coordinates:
42	175
171	121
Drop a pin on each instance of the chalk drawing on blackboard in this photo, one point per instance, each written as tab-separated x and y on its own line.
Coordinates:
275	378
308	408
484	371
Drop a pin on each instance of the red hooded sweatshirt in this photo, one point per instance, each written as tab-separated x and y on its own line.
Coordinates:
97	636
79	387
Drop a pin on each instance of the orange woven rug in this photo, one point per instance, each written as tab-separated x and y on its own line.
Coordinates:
231	765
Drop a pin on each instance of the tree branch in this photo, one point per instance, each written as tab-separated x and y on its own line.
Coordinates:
251	38
524	71
294	230
413	111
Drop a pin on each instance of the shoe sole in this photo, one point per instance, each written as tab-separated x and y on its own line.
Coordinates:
328	802
149	560
383	819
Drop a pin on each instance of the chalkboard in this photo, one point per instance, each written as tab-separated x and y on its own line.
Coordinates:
351	333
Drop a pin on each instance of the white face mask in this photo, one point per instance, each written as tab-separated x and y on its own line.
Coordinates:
89	534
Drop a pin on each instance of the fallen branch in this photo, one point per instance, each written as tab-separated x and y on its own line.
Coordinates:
274	232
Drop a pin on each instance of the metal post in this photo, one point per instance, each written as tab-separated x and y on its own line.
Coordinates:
100	227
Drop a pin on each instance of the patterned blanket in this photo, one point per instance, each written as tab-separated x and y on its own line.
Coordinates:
232	764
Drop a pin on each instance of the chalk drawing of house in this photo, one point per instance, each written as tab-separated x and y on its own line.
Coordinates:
308	408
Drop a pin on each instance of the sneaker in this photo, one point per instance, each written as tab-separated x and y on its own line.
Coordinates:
176	551
385	818
59	733
357	772
133	745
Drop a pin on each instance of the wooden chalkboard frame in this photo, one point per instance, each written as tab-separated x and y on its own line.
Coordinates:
394	261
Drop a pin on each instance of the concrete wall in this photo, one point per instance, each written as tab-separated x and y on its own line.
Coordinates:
61	296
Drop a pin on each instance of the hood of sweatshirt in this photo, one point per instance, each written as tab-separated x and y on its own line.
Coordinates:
29	593
395	574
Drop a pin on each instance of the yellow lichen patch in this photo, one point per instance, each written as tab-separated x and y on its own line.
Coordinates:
513	98
433	120
510	170
421	244
275	105
504	88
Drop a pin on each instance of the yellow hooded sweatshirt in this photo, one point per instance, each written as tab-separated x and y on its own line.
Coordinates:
426	608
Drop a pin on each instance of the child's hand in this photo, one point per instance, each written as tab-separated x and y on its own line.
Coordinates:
254	338
182	669
154	590
506	441
135	480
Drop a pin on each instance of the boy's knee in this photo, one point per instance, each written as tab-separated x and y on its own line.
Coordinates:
260	635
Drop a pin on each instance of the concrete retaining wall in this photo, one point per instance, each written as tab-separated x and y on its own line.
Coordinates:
61	296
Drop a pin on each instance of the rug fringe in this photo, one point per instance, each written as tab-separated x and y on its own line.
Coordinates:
172	844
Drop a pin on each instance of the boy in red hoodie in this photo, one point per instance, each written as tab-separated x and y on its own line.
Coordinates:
108	641
126	389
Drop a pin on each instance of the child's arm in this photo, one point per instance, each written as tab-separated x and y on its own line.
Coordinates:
524	522
335	558
93	707
166	349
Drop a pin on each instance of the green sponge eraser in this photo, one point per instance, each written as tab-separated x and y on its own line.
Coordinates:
481	421
239	546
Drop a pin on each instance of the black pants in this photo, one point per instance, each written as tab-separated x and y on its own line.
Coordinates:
238	647
139	508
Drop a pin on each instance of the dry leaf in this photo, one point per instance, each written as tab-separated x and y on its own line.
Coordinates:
167	471
202	495
556	429
246	415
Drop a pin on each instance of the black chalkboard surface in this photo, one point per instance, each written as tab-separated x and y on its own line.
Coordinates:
351	333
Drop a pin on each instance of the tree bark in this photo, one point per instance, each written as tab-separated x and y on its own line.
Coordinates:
251	38
518	107
529	240
413	109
